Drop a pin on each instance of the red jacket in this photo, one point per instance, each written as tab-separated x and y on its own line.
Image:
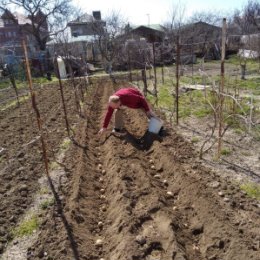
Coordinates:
129	97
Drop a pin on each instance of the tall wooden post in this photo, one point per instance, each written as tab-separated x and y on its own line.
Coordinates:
130	67
177	79
154	68
221	86
155	75
144	75
145	82
162	64
34	105
192	53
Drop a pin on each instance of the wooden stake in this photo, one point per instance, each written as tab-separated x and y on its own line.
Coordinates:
177	80
144	81
154	69
221	86
130	67
162	64
37	112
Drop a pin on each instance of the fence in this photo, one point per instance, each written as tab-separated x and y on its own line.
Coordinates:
153	74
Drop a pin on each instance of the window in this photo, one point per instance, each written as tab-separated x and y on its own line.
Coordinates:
77	32
8	21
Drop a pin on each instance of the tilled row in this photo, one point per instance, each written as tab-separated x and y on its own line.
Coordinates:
21	162
138	196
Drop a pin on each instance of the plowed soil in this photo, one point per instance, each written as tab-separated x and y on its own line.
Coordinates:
21	163
137	196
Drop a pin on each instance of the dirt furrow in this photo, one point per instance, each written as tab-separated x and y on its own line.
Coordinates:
21	165
138	196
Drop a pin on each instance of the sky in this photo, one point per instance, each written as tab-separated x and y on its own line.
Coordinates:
155	11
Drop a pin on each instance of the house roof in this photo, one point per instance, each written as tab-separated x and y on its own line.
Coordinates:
7	14
156	27
200	23
85	18
22	19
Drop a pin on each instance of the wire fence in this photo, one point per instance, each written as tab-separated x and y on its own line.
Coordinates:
152	67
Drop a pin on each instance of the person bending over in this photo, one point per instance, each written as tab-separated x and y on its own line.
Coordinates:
125	97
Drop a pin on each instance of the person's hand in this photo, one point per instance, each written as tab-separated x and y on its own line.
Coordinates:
150	114
101	131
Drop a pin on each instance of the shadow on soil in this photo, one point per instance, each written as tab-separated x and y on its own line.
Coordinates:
67	227
145	142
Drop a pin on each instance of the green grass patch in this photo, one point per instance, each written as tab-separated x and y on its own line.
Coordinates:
15	103
164	97
196	79
5	83
256	132
195	139
225	151
54	166
251	189
250	84
43	80
47	203
202	112
251	64
65	144
27	227
238	131
44	191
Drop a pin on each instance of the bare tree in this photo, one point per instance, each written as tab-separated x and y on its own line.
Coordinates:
175	20
247	22
109	38
46	16
204	32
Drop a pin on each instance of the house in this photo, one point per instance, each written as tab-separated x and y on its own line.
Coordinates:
145	41
81	41
14	27
251	41
152	33
87	24
201	39
249	46
81	46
